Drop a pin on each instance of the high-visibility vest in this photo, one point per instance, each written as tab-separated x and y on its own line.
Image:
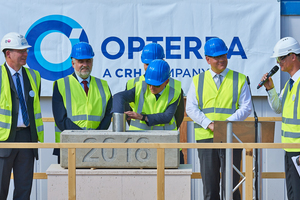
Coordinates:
6	103
217	105
86	111
146	103
290	127
131	84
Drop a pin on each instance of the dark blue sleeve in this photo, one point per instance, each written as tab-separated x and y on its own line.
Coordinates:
179	114
60	112
121	98
105	123
163	118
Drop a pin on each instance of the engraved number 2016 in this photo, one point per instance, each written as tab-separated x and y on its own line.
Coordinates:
109	155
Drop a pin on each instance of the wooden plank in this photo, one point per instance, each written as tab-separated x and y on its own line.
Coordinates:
35	176
276	119
264	175
249	174
160	174
245	131
72	174
154	145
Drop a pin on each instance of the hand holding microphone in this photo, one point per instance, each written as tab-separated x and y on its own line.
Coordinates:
266	77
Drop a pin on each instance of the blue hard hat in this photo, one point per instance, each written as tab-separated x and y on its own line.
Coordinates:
151	52
215	47
157	72
82	50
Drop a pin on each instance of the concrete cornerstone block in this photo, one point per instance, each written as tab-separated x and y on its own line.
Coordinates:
119	158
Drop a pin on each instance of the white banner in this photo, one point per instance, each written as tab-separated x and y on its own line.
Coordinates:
118	30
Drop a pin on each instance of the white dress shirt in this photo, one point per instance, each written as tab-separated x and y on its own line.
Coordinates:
199	117
88	79
275	100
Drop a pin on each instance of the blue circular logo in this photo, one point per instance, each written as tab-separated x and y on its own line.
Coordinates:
38	31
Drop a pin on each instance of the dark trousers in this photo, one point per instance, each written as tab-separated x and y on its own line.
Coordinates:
292	177
211	160
22	163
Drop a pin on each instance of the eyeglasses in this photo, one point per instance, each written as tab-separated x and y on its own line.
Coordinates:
20	51
281	58
156	86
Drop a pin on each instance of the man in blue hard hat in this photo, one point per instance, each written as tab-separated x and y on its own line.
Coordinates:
81	101
153	51
217	94
155	101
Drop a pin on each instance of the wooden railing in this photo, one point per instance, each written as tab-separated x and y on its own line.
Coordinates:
160	157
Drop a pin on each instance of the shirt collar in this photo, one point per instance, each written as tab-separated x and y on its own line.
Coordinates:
223	73
80	79
12	71
296	76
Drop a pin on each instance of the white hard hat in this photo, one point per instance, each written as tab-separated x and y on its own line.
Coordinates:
14	41
285	46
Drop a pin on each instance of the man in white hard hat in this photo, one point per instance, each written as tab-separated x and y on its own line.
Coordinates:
21	119
287	54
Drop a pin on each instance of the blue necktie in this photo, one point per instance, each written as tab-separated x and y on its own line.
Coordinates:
291	83
21	100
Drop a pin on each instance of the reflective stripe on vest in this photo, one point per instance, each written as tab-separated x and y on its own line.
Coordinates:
136	123
35	85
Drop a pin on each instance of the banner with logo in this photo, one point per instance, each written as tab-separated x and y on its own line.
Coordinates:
119	29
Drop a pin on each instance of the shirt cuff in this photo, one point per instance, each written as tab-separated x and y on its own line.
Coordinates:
272	92
205	123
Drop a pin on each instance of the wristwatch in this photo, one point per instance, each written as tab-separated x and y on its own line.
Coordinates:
144	117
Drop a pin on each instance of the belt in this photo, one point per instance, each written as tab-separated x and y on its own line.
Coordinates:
21	128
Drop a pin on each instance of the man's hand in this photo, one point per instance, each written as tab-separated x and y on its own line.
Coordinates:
269	83
133	115
211	126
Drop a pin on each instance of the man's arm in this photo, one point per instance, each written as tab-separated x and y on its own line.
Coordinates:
179	114
245	106
163	118
193	110
119	100
60	113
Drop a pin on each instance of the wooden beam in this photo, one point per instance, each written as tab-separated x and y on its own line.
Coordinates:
72	173
249	174
160	174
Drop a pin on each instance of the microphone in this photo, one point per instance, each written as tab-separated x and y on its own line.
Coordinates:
271	73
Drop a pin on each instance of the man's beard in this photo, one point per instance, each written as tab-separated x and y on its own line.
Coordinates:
83	75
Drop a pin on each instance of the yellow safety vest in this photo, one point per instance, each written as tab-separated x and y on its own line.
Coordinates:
290	128
217	105
86	111
146	103
6	103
